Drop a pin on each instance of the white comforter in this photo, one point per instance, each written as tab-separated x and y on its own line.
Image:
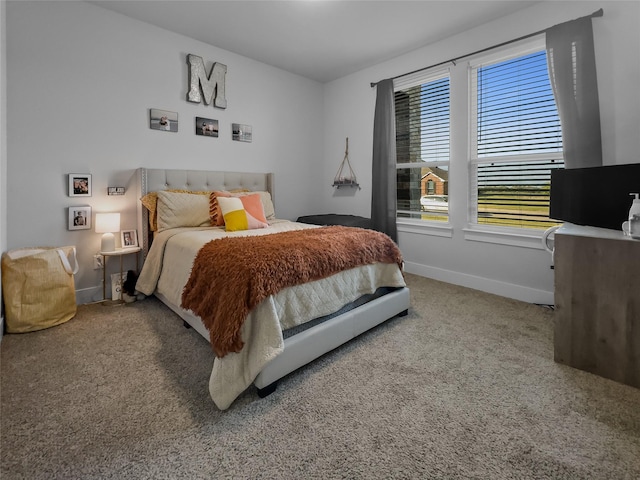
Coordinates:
166	271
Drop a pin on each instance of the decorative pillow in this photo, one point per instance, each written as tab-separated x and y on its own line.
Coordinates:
267	205
150	202
242	213
214	210
215	215
252	204
182	210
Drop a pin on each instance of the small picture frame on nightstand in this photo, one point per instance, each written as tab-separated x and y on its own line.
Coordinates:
129	238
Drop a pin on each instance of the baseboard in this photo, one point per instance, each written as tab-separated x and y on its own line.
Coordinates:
509	290
89	295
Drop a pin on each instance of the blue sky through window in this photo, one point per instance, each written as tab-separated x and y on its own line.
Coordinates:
517	113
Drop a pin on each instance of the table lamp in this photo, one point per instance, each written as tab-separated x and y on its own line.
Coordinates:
107	223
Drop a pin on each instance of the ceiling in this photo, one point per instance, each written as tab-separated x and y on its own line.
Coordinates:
320	40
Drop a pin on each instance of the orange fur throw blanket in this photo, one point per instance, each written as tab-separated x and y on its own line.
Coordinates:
230	276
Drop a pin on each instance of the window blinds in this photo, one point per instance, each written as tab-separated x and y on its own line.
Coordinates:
518	141
516	111
422	122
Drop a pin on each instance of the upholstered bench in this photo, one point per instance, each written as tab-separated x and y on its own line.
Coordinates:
336	219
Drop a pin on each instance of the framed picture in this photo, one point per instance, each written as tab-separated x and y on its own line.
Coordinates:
117	281
163	120
80	218
207	127
129	238
79	185
241	133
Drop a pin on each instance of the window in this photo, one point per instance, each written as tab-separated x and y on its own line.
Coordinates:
422	145
499	113
431	187
515	138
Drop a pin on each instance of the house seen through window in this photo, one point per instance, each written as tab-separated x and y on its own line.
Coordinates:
422	146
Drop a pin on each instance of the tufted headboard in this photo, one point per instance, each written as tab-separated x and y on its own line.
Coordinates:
155	179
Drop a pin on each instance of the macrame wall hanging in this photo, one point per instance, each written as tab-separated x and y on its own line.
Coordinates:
345	176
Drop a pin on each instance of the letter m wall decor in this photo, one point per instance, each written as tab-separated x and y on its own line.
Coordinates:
212	85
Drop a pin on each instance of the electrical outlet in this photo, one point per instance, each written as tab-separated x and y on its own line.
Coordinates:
98	262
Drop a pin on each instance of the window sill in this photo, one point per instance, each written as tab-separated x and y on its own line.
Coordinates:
516	237
425	228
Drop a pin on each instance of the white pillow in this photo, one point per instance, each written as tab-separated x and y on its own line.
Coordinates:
182	210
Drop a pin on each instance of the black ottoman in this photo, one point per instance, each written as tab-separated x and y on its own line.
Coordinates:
335	219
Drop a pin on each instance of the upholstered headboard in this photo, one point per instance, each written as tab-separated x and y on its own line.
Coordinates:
156	179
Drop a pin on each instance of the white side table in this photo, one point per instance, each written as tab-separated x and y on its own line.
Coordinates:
118	252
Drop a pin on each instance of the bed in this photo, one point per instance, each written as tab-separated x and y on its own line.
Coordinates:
284	331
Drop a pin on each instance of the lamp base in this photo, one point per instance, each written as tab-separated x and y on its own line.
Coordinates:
108	243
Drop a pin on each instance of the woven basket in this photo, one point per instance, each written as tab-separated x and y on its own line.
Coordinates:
38	287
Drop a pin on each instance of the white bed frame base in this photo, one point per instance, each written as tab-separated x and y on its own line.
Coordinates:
314	342
303	347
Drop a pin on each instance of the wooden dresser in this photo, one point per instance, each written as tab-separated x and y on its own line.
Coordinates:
597	299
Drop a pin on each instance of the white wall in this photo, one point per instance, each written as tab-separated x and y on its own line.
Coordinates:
81	80
517	272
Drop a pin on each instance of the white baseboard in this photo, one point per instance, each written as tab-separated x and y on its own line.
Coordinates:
89	295
509	290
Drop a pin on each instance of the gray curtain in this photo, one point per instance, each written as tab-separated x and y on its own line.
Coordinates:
572	71
383	193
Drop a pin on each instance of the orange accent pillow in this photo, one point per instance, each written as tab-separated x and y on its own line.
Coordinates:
215	214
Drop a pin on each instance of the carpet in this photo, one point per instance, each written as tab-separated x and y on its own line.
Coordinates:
464	387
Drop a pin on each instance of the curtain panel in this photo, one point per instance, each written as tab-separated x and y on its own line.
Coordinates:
572	72
383	192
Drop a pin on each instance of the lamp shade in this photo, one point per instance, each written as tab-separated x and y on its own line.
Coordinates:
107	223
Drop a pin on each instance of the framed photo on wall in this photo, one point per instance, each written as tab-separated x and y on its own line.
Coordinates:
207	127
241	133
79	218
129	238
79	185
163	120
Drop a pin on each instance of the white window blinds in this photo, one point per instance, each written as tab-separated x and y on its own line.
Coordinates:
422	120
516	111
422	145
516	139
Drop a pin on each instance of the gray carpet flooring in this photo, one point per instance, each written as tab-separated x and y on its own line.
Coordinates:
465	386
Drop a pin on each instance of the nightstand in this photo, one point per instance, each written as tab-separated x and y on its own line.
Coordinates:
118	252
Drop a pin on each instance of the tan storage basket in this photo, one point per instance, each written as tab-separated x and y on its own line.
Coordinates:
38	287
